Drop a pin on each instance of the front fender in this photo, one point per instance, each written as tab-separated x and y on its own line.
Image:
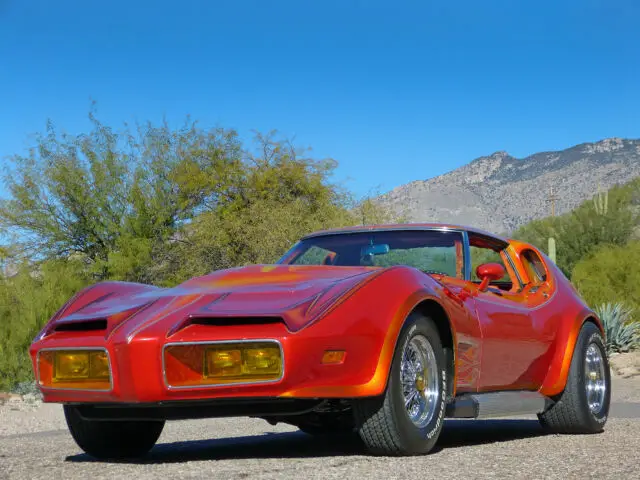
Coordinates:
376	312
85	298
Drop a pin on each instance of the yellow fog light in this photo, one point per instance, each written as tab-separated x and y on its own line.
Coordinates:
98	365
262	361
70	366
74	369
206	364
223	363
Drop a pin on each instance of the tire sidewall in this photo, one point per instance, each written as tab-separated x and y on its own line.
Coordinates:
590	334
418	439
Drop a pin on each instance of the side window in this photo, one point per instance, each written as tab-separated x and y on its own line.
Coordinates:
534	267
314	256
486	255
428	259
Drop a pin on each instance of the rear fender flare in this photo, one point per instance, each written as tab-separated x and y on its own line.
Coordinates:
565	342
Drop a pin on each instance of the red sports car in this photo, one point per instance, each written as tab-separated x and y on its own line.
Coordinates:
381	331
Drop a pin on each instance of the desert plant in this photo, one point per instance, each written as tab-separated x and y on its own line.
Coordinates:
601	202
552	249
622	334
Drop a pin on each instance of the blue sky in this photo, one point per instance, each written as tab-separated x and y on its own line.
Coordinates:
395	91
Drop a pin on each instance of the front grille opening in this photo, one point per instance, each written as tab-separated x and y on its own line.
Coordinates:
229	321
83	326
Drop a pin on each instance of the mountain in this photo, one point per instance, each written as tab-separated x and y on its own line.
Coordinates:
499	192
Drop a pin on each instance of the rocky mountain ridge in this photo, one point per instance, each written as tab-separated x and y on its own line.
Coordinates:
499	192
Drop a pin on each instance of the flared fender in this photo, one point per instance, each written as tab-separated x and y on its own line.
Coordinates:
391	325
565	342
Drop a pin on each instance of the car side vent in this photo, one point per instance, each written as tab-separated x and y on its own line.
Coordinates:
229	321
82	326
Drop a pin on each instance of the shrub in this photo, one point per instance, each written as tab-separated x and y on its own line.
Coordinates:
622	334
610	274
27	301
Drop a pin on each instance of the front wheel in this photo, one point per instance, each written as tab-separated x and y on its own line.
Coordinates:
408	418
112	439
583	407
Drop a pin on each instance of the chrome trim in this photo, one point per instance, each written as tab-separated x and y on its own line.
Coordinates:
54	349
466	255
595	384
420	385
218	342
400	227
497	404
513	266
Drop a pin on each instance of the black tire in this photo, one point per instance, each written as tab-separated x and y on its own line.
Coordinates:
112	439
571	412
383	422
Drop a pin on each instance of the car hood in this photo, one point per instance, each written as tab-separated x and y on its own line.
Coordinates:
297	294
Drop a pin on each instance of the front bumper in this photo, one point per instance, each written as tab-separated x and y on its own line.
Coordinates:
138	377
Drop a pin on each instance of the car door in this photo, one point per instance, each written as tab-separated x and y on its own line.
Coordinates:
512	343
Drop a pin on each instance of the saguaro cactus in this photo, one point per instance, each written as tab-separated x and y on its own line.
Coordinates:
601	202
552	249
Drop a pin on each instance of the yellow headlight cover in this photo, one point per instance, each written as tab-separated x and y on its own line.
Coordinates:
71	365
99	365
262	361
223	362
243	362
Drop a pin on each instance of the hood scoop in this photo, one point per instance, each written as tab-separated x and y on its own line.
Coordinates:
99	324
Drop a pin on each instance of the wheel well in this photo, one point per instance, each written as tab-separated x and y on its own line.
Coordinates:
435	311
595	321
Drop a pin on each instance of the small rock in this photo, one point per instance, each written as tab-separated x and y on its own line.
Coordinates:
31	398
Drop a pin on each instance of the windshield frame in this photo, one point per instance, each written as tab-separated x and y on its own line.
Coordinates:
294	251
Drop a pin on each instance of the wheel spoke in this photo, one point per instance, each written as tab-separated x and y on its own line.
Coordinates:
418	378
410	398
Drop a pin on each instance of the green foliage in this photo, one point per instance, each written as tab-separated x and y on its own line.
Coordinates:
588	227
27	301
610	274
622	335
427	259
81	194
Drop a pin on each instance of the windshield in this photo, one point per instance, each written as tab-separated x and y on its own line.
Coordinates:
432	251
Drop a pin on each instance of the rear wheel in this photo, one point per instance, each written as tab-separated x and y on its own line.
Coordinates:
583	407
111	439
408	418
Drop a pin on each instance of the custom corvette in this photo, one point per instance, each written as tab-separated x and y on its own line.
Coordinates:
379	331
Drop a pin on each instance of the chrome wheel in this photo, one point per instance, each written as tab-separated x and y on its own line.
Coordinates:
595	380
419	375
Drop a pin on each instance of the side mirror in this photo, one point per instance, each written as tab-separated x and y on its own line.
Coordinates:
488	272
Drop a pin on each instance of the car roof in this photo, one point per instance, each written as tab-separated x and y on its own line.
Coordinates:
405	226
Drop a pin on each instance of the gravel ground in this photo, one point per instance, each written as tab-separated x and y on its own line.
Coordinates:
34	443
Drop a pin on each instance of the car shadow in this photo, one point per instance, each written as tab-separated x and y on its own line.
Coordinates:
456	433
